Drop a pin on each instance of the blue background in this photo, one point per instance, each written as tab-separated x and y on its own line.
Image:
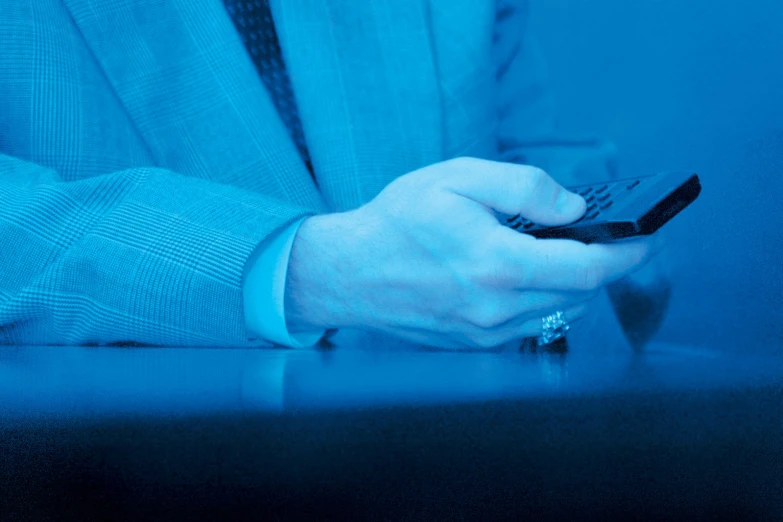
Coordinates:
695	85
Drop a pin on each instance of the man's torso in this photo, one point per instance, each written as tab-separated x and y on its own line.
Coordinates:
90	88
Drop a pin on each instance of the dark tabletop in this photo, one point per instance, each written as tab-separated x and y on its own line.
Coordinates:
371	430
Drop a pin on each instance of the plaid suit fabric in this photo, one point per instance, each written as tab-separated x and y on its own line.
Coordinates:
101	244
253	20
142	160
142	255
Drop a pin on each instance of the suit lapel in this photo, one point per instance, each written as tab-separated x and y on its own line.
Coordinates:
181	71
366	86
364	75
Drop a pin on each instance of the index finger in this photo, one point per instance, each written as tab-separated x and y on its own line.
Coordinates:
562	264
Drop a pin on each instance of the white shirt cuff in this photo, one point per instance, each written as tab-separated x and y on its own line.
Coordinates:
264	292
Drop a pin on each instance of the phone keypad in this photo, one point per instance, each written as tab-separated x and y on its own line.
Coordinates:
599	198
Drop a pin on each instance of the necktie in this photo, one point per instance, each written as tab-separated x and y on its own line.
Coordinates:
253	21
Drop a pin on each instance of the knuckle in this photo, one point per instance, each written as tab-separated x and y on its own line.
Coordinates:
536	180
464	162
491	272
588	277
485	317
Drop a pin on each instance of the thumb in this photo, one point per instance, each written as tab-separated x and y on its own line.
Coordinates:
516	189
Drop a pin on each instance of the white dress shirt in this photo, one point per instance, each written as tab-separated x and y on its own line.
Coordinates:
264	292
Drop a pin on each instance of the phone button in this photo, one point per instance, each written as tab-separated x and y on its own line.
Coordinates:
634	184
586	191
606	205
602	189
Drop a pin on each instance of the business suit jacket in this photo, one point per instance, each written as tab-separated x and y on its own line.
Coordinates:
142	161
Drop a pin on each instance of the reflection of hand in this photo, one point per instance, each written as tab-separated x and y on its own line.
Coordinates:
641	299
427	260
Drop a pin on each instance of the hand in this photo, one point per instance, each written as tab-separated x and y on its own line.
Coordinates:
428	261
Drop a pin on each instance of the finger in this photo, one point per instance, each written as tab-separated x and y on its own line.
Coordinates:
535	327
512	308
561	264
538	304
516	189
530	327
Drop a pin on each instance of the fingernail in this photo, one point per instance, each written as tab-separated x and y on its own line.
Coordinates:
568	202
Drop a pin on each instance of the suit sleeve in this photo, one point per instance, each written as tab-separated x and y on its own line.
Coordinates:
528	131
140	256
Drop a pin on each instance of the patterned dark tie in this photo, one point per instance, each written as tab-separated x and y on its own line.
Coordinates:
253	20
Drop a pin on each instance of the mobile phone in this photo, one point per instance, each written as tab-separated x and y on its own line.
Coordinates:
621	209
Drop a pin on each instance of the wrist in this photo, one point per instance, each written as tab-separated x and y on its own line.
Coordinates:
318	285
